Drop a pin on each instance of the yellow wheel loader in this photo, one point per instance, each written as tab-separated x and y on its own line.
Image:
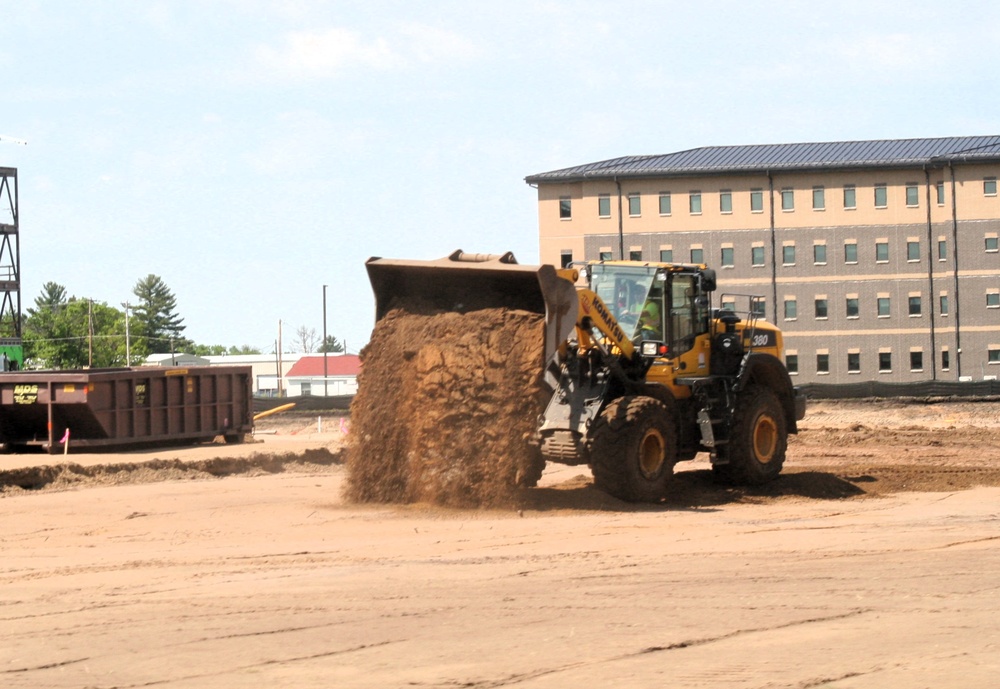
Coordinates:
643	369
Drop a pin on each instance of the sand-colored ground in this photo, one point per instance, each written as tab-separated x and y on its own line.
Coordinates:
873	561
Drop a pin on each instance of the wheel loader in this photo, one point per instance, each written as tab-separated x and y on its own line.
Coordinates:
641	367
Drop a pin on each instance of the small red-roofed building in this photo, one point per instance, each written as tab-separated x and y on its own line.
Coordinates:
305	377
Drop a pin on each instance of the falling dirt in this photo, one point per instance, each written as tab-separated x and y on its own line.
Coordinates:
446	407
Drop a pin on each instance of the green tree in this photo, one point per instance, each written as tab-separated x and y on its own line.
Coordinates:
73	333
53	295
331	345
156	322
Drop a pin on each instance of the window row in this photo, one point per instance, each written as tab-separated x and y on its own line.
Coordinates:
883	361
789	252
883	305
848	197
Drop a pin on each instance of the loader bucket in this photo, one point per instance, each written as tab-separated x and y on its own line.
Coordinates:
467	282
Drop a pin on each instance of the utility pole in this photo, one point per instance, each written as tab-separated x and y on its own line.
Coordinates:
128	339
90	333
326	350
280	391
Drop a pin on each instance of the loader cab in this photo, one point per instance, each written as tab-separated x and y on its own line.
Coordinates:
661	309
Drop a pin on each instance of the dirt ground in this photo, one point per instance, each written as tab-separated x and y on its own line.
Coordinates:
873	561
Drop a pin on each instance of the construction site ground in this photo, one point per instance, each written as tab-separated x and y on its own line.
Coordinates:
873	561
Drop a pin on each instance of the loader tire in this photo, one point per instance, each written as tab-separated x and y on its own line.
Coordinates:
633	449
758	440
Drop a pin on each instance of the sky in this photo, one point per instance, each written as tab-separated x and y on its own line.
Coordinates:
250	152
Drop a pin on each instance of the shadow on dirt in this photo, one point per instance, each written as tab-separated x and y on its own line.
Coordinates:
694	490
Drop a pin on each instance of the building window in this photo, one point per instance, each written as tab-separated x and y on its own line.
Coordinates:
850	197
697	255
943	304
758	307
854	362
565	257
604	206
853	307
725	202
945	360
634	205
992	244
694	202
993	355
990	186
635	254
756	200
565	208
757	256
667	255
664	203
912	195
788	255
881	196
940	193
850	252
883	307
942	250
787	199
821	309
792	363
822	363
915	306
791	309
727	257
882	252
916	361
993	300
912	251
605	256
819	254
729	306
819	199
885	362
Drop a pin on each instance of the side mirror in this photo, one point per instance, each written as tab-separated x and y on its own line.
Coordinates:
708	280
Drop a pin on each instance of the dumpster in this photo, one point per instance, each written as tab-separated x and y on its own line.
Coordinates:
124	407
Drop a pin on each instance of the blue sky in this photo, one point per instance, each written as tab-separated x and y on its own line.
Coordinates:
249	152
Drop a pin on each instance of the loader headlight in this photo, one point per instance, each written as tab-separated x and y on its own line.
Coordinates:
652	348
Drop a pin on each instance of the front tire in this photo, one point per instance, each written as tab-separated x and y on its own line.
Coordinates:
633	449
758	440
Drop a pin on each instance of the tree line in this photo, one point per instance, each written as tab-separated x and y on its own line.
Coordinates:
67	332
62	331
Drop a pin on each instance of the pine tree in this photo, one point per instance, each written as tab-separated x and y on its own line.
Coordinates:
156	320
331	345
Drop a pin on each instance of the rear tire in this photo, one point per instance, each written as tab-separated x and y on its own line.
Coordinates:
758	440
633	449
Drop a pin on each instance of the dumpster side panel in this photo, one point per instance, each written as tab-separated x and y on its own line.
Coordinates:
118	407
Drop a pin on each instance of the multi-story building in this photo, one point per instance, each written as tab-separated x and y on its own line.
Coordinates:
880	260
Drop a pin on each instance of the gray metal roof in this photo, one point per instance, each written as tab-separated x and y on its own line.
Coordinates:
760	158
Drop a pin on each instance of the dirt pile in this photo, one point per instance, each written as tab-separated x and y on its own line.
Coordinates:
446	407
67	475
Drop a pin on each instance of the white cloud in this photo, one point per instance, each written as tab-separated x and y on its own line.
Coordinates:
430	44
892	51
324	54
329	53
